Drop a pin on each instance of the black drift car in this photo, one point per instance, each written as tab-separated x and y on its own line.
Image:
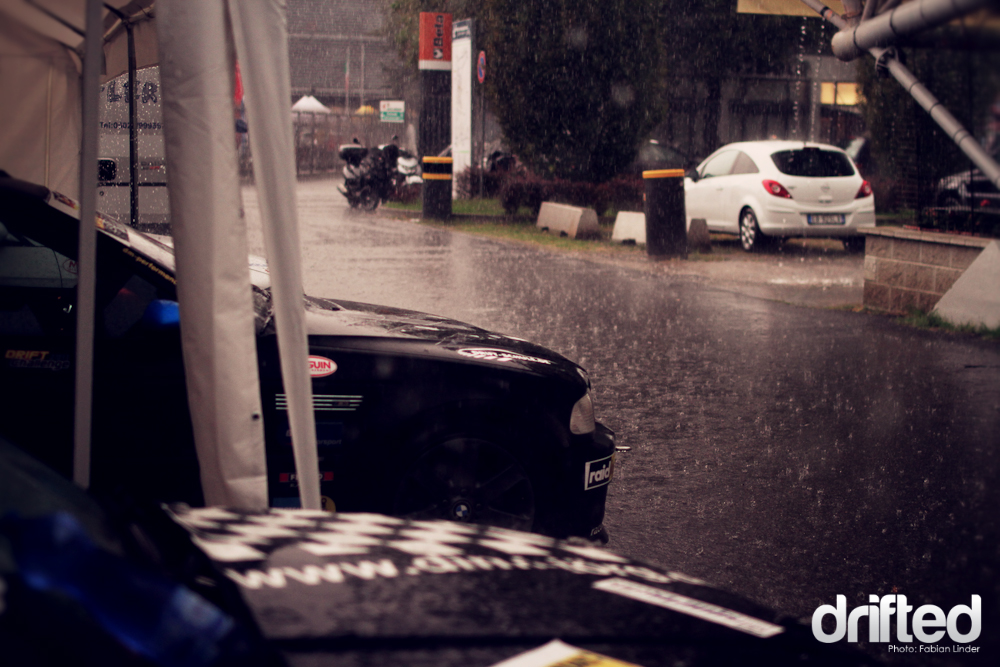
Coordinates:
417	415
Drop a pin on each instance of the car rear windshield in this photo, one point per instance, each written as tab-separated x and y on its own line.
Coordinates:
813	162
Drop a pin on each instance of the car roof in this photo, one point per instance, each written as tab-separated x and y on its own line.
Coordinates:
770	146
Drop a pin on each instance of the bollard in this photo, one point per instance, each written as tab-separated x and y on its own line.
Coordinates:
666	224
437	188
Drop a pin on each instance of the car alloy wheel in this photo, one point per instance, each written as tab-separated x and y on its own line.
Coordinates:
468	479
751	237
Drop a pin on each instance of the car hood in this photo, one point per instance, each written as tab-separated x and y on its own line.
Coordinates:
321	583
415	331
304	587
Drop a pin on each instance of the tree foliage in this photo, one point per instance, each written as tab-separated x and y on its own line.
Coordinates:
576	86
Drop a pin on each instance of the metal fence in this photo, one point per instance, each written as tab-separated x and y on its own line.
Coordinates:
318	137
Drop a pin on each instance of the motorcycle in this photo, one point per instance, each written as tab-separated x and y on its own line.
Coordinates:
371	176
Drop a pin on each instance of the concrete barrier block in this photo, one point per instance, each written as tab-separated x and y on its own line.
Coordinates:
571	221
974	298
629	228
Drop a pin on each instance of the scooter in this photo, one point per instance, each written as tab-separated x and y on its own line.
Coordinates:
371	176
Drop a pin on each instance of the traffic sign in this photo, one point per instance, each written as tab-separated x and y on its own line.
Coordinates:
481	66
392	111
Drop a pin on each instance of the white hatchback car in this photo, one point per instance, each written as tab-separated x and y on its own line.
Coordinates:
765	190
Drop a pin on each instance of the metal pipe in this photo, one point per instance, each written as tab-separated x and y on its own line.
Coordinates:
87	258
825	12
945	120
887	58
885	29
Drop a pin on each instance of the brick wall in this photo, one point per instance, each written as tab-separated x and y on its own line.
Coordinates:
911	269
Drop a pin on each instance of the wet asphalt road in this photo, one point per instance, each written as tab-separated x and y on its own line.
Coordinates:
787	453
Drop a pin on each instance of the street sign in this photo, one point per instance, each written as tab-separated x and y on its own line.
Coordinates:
392	111
481	66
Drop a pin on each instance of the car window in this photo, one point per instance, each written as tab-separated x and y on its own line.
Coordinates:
744	164
720	165
813	162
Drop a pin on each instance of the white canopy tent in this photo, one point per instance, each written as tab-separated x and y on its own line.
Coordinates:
196	53
309	104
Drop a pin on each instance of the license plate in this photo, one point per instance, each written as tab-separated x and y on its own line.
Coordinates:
825	219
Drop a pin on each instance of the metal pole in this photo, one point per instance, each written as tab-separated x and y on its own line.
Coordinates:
887	58
87	259
912	17
133	131
133	128
482	135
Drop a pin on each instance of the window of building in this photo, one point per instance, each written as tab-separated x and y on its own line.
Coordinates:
840	93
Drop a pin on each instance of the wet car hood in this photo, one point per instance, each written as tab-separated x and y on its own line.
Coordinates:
417	333
318	583
316	588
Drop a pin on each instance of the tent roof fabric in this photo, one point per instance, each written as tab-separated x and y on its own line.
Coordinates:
308	103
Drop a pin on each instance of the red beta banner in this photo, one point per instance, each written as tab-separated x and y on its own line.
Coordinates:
435	41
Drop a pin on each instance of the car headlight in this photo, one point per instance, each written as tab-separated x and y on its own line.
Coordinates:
581	419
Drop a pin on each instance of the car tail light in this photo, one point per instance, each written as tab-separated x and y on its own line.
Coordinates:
864	191
581	419
777	189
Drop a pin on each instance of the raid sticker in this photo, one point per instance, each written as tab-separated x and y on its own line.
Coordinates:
560	654
320	367
598	473
690	606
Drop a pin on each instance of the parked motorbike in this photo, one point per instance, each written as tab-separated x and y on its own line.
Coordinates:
371	176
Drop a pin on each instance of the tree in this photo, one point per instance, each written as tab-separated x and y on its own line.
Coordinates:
575	86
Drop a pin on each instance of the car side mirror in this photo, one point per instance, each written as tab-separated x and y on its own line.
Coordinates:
693	175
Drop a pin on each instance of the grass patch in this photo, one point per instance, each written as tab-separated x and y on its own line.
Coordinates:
922	320
895	218
485	207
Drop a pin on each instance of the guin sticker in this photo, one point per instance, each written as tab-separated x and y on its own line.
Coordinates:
320	367
690	606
